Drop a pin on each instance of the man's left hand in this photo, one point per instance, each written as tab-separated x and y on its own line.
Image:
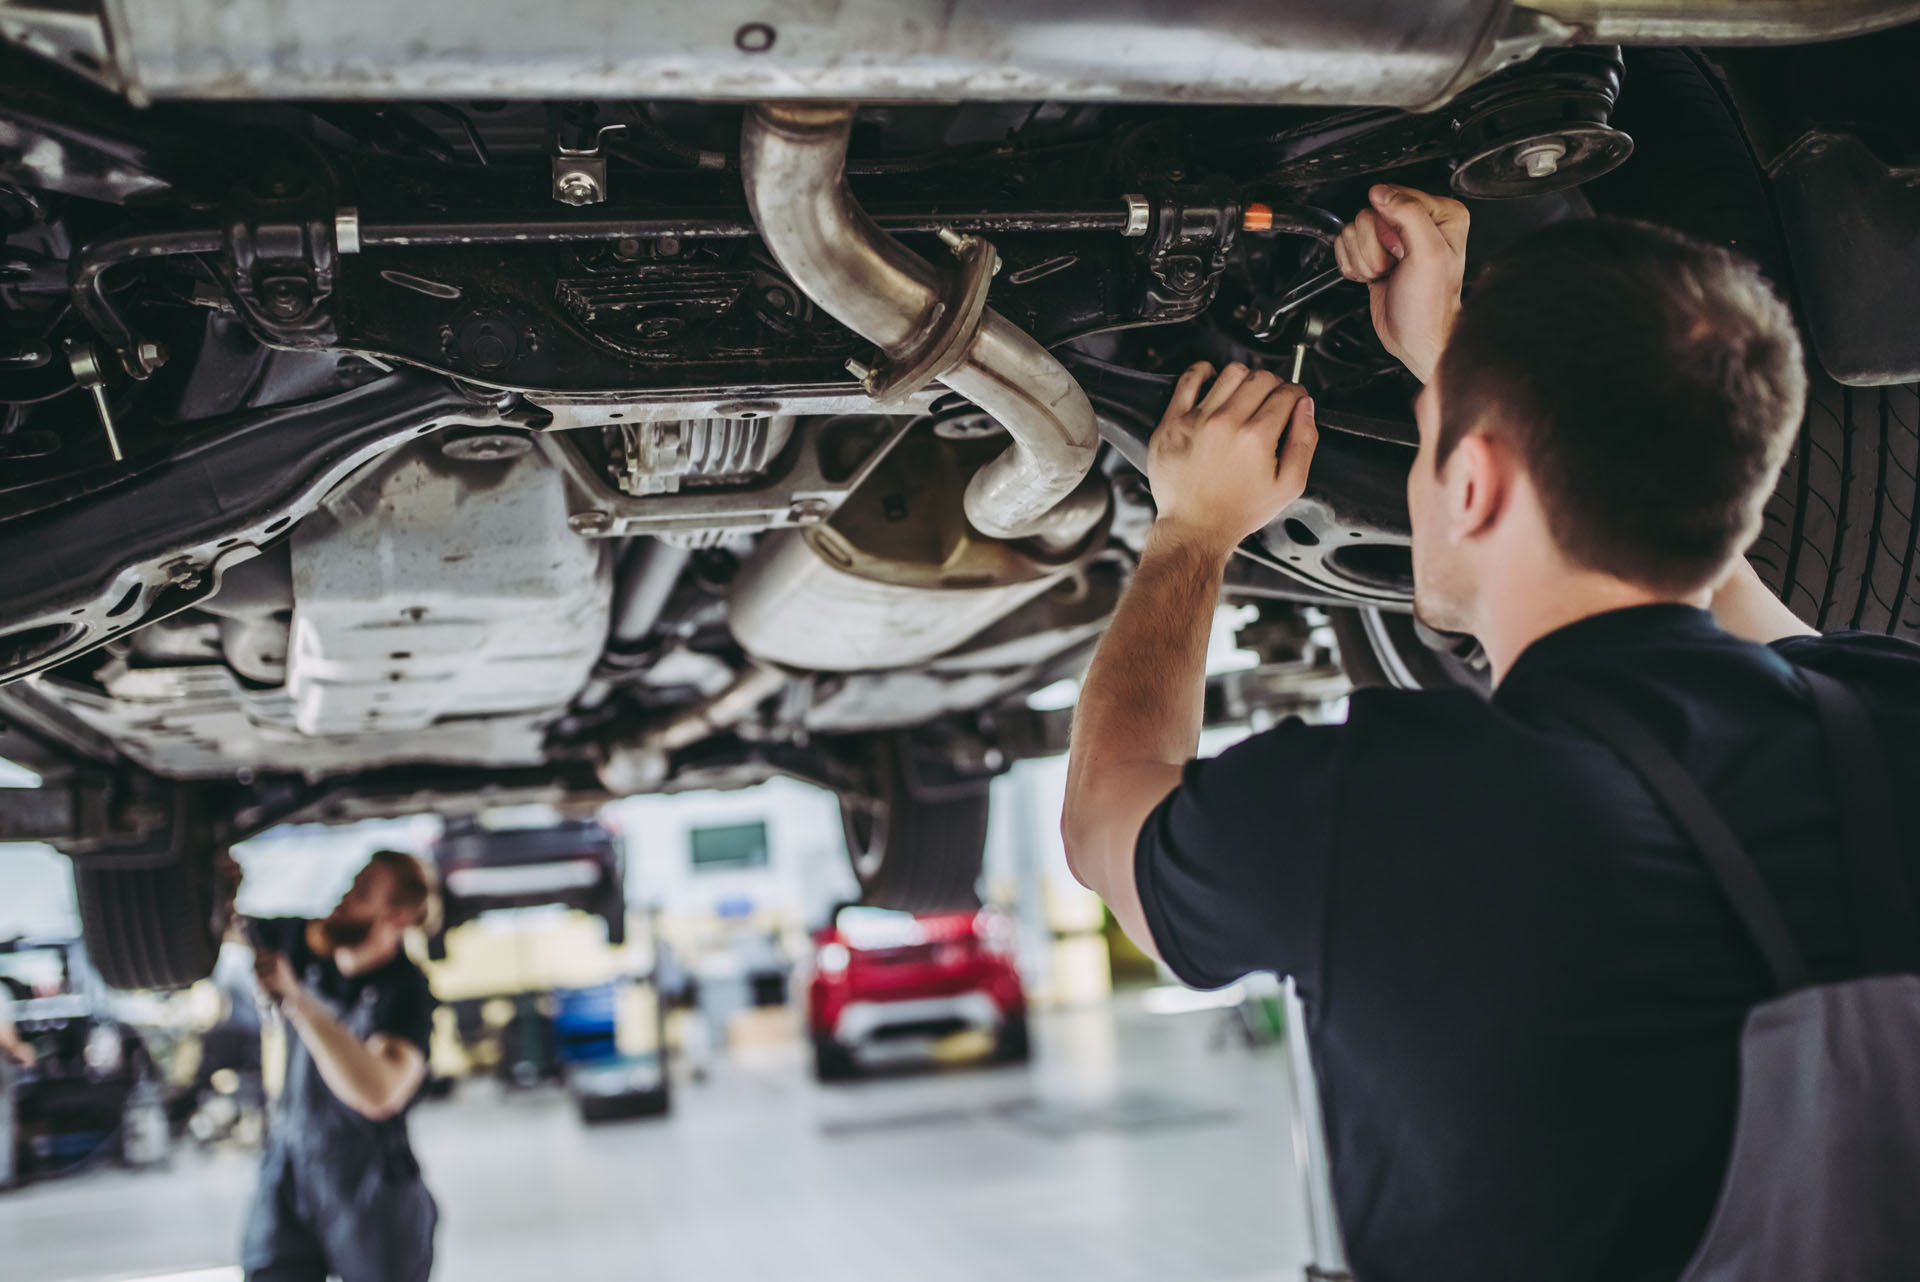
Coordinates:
1223	465
275	975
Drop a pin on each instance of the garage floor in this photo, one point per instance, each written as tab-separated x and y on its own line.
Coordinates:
1130	1150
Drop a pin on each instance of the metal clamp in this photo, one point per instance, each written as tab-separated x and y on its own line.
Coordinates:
944	344
580	173
281	257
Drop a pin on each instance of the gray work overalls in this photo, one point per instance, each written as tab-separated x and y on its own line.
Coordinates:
340	1194
1825	1168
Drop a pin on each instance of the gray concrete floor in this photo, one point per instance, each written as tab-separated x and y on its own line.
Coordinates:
1130	1150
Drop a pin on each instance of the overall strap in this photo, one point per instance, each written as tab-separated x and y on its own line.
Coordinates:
1882	901
1732	867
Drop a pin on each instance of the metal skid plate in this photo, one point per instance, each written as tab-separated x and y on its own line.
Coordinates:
76	575
438	587
1246	51
199	722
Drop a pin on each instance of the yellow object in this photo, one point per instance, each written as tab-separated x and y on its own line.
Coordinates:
507	953
636	1019
1082	973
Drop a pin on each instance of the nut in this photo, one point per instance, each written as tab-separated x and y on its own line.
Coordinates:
576	188
1541	159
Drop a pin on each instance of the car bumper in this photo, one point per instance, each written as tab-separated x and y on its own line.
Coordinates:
877	1027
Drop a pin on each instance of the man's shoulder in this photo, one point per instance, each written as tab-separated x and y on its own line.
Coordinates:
405	975
1883	667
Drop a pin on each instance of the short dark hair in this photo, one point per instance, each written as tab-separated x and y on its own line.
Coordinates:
1651	383
407	883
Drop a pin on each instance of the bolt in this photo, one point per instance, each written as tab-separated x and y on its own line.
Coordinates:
151	355
952	239
667	247
577	188
183	574
286	297
589	522
629	247
1541	159
809	509
860	370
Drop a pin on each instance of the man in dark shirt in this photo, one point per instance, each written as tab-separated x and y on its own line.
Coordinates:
1524	992
340	1193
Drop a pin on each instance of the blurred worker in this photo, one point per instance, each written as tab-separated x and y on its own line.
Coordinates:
340	1193
15	1053
1553	945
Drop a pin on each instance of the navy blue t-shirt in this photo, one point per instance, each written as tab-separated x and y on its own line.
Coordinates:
1524	993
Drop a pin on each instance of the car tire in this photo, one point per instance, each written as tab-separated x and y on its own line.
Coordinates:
914	850
1014	1044
833	1062
153	920
1840	540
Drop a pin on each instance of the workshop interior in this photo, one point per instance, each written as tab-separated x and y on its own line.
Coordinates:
667	468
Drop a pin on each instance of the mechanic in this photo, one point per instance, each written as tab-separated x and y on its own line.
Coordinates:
1525	987
340	1193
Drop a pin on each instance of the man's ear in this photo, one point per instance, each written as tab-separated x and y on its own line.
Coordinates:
1478	485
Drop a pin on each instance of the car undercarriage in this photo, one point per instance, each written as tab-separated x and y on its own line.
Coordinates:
383	433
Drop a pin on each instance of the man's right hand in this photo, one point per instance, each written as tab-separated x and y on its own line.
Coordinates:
1410	250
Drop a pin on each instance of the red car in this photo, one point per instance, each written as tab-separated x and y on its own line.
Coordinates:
886	984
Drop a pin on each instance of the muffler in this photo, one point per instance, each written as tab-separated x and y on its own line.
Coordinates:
929	327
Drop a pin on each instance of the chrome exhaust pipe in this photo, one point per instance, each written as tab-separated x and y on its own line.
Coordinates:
927	325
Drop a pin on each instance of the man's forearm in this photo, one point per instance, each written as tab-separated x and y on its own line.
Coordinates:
1145	693
364	1081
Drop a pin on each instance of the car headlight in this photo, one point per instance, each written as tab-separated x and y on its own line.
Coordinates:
832	959
103	1053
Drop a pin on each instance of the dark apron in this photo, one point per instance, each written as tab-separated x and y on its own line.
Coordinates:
1825	1165
339	1193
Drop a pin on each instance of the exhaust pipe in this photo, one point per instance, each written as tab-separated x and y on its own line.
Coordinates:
642	764
793	157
